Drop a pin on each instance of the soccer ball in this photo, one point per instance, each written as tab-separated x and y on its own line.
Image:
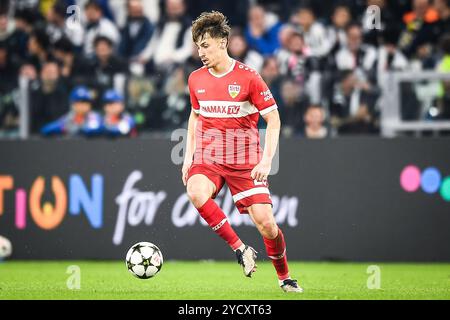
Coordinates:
5	248
144	260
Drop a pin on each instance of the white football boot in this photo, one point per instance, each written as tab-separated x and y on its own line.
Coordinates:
247	259
290	285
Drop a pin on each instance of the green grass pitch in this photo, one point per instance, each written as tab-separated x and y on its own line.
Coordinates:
221	280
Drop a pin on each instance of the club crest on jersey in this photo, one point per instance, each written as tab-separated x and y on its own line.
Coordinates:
234	90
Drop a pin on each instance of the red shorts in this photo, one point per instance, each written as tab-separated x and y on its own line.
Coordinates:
245	190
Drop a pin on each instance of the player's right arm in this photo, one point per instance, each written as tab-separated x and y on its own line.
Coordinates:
190	146
190	139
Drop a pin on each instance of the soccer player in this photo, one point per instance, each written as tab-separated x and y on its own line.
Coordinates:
227	98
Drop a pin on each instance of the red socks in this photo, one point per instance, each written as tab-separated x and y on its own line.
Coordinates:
217	220
276	250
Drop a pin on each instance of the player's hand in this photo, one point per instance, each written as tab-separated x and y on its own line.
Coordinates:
185	170
261	171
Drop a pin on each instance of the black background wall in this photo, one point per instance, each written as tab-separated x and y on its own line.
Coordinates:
334	199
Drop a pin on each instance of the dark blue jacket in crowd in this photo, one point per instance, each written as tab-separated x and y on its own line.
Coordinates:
267	43
132	45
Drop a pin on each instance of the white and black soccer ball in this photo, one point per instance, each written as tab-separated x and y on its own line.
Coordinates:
144	260
5	248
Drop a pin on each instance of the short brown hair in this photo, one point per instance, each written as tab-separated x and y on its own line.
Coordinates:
213	23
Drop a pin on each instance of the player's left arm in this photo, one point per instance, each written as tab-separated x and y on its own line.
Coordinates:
261	171
262	98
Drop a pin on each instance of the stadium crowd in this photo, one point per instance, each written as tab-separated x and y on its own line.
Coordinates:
120	67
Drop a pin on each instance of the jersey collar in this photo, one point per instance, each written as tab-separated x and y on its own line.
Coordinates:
223	74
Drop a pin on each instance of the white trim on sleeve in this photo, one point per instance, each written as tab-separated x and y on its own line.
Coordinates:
267	110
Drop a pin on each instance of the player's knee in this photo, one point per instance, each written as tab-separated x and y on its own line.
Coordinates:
197	195
268	228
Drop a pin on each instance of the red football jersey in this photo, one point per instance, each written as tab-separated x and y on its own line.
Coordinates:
229	106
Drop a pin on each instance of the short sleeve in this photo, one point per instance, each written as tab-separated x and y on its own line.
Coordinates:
260	95
194	102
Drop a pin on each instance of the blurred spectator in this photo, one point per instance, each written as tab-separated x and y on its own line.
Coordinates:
235	10
151	10
389	57
239	50
107	68
443	24
8	82
295	63
193	62
139	93
422	12
8	69
284	35
18	5
418	24
48	97
352	108
57	27
171	42
357	55
80	120
38	43
271	75
45	6
262	31
444	90
424	57
336	34
98	25
24	21
137	31
314	33
104	6
171	109
292	107
428	39
314	119
7	26
28	19
75	69
116	121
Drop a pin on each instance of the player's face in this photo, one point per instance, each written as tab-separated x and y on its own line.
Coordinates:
210	50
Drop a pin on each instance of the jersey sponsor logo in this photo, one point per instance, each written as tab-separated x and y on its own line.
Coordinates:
226	109
234	90
201	91
221	109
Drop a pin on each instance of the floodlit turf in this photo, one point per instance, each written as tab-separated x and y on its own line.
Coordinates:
221	280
